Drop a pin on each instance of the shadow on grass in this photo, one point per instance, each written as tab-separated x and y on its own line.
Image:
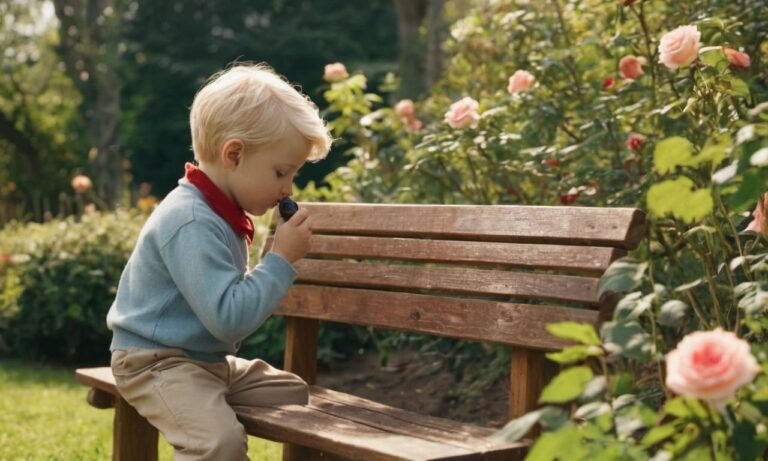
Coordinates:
24	372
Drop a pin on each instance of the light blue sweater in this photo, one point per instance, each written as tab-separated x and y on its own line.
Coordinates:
187	284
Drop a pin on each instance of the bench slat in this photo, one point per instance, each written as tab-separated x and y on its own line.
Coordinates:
462	280
357	428
578	259
312	428
360	432
338	402
618	227
477	320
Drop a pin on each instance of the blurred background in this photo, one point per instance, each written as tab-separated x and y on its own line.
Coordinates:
101	88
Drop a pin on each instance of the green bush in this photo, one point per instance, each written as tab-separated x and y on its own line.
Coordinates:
58	280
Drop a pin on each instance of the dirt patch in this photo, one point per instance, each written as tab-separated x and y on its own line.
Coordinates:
419	384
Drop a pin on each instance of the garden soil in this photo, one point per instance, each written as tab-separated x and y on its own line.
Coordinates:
419	384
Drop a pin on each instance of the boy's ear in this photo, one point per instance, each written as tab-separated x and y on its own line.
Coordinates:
232	153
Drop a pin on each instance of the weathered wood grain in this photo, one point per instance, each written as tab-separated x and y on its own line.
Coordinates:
521	325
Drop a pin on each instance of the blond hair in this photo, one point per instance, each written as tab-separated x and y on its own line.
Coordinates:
252	103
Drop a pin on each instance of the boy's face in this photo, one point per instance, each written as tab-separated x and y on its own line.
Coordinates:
261	179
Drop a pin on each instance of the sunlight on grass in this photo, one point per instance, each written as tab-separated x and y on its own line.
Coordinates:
44	416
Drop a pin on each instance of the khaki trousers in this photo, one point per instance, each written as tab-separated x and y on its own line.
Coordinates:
190	401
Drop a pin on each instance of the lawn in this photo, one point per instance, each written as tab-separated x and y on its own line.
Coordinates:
44	416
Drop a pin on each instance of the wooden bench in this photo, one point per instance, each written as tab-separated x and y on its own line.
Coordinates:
482	273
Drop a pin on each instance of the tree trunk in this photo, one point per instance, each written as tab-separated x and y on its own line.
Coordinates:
89	32
410	14
420	54
435	37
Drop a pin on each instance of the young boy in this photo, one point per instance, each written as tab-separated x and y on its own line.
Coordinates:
186	299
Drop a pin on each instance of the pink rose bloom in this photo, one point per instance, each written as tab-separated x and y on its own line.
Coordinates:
737	59
405	108
631	67
335	72
520	81
463	114
759	224
413	124
710	365
81	184
679	47
635	141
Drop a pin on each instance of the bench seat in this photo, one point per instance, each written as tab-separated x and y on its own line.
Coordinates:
342	426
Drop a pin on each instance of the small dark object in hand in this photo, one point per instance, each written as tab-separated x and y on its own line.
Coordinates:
287	208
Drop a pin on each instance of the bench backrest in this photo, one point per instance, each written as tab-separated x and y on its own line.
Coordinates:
488	273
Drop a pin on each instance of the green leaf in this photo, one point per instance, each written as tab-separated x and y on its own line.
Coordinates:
623	275
592	410
567	385
714	57
670	153
760	395
714	150
737	87
672	312
633	305
564	443
689	285
658	434
580	332
574	354
747	442
754	182
678	198
628	339
696	206
751	413
517	428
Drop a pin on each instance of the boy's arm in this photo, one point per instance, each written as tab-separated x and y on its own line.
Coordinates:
230	305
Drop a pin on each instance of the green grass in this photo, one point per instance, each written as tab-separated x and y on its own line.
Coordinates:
44	416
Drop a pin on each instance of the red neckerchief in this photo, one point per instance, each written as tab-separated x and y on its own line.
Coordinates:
220	203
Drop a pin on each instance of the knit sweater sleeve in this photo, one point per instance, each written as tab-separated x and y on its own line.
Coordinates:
230	304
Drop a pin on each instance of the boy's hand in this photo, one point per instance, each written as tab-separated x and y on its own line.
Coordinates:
292	237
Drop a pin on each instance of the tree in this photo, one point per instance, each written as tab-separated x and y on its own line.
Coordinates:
172	46
36	106
89	36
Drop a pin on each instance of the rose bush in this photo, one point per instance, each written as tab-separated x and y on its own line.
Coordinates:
683	135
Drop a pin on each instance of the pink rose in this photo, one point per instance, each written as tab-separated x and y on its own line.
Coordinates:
737	59
679	47
520	81
635	141
710	365
405	108
760	223
81	184
335	72
631	67
413	124
463	114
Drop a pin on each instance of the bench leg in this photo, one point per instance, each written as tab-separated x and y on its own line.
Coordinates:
133	437
529	374
301	358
